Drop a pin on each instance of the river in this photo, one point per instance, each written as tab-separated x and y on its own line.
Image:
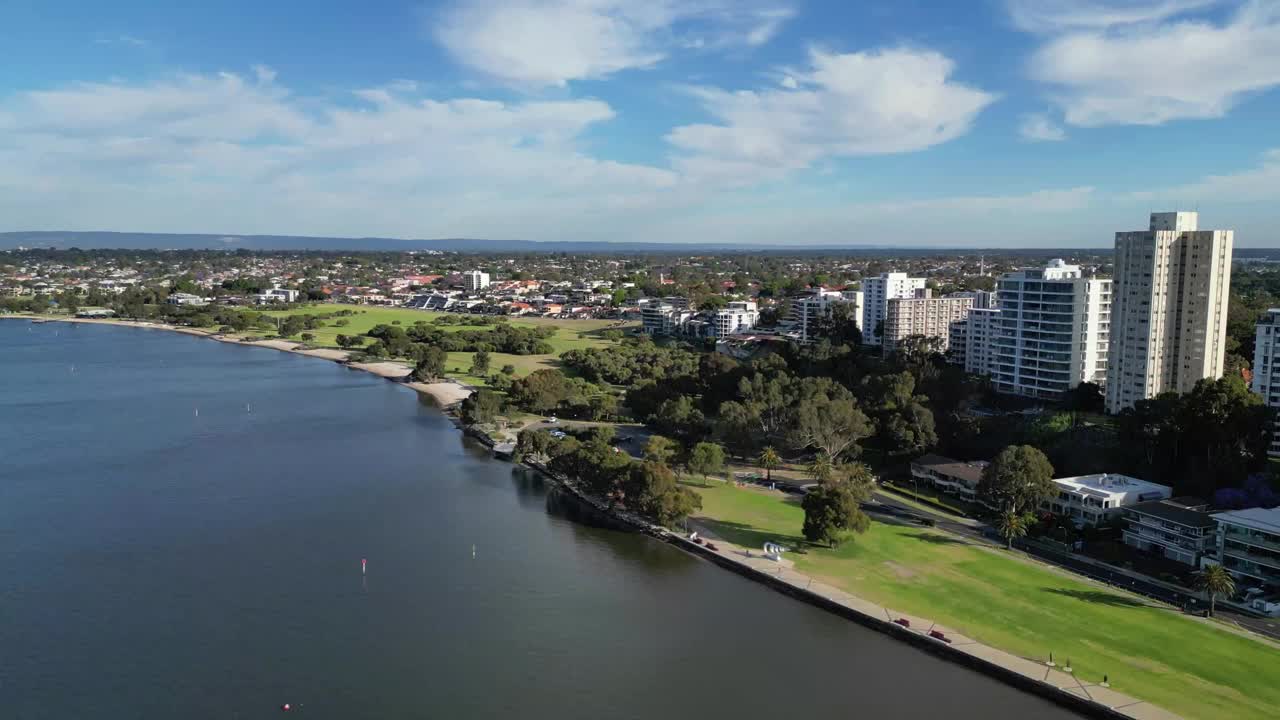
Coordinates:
182	524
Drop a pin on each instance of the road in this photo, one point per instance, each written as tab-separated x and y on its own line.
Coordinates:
886	505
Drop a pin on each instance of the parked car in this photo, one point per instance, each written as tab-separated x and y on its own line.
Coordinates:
552	419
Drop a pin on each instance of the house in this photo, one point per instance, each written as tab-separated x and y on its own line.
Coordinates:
954	477
275	295
1178	529
1093	499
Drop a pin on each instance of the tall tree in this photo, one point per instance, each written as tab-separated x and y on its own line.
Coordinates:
1017	480
831	426
821	469
1214	580
661	450
481	407
769	459
430	365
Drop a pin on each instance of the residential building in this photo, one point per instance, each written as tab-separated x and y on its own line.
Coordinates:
739	316
1249	546
926	316
806	311
876	294
979	328
1178	529
663	319
1051	332
275	295
1266	368
1170	308
1092	499
953	477
475	280
180	298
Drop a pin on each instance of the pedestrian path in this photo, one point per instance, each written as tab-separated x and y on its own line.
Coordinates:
1037	670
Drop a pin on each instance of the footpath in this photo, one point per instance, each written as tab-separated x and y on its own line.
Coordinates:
1053	682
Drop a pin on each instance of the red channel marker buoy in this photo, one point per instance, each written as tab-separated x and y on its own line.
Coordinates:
286	707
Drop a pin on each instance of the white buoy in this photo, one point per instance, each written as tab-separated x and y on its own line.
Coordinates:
364	566
197	412
473	552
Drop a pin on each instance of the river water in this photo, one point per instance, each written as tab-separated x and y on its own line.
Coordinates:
182	524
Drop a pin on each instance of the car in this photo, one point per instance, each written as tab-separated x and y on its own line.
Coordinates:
552	420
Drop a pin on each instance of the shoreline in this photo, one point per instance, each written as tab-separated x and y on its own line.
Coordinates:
1051	683
446	393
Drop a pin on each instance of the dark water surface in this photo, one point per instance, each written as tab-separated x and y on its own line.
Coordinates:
159	562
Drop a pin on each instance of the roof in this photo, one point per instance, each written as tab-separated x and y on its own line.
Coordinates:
1112	484
969	472
1266	520
1174	512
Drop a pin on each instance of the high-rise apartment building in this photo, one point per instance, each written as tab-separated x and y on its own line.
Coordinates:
1051	331
876	294
925	316
475	280
1169	308
1266	368
806	311
979	328
738	316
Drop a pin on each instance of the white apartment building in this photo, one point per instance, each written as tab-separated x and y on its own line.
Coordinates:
928	316
181	298
662	318
1266	368
1170	308
1249	548
1092	499
807	310
1051	331
979	349
876	293
475	280
739	316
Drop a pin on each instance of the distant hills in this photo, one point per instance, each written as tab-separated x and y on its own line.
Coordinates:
196	241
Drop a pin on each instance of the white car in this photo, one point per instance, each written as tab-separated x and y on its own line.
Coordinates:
552	420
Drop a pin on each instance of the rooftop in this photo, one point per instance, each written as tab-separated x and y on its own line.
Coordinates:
1175	512
968	471
1264	519
1111	483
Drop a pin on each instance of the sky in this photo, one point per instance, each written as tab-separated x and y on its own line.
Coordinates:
993	123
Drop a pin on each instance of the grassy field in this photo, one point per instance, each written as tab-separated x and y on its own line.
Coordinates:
1185	665
570	334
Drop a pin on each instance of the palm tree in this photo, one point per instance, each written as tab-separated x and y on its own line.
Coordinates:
1215	580
1013	524
822	468
769	460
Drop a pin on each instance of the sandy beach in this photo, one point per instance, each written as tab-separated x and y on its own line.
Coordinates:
445	393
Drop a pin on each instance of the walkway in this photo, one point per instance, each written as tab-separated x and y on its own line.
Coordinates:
1039	671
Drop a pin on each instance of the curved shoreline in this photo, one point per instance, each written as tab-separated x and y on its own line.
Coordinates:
445	393
1048	682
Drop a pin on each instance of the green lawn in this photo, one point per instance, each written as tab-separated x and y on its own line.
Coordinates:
1187	666
570	334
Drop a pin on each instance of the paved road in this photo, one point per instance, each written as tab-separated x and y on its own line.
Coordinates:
886	505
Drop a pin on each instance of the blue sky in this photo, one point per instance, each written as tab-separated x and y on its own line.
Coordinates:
760	122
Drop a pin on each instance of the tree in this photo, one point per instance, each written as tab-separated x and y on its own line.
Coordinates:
541	391
535	444
1012	525
1215	580
481	407
661	450
480	363
822	468
706	459
430	365
1017	480
508	369
831	426
307	337
832	511
349	341
651	488
769	459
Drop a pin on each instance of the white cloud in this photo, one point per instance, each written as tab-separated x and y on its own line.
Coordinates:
865	103
1260	183
1061	15
551	42
128	40
1039	128
1151	73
